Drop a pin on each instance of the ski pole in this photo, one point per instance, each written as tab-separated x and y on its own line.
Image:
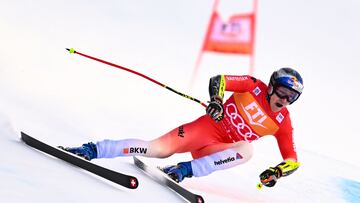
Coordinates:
72	51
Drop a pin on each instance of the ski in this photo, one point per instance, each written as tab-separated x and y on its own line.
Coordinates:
116	177
163	179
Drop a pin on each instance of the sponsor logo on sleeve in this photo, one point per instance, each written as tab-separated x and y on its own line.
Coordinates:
181	131
126	151
238	156
257	91
135	150
228	160
224	161
279	117
236	78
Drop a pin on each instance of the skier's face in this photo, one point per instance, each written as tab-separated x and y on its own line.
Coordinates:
278	100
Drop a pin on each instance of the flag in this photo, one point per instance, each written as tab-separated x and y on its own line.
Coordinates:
234	36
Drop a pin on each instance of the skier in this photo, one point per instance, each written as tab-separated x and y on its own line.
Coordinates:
222	137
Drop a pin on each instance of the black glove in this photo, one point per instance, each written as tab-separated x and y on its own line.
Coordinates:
215	109
270	176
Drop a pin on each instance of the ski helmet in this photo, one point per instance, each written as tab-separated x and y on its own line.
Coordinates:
289	78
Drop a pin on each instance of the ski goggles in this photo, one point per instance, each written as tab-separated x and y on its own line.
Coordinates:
284	93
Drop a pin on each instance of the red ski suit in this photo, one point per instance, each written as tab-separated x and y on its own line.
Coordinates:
247	117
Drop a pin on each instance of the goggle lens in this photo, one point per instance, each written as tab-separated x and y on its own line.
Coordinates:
285	93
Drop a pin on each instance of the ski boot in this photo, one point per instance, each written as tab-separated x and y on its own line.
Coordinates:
179	171
87	151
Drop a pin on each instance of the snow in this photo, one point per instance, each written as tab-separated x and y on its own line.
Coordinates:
67	100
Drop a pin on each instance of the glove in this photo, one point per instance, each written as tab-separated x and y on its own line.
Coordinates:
270	176
215	109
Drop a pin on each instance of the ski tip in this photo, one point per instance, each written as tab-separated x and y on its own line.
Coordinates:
71	50
134	183
199	199
23	135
